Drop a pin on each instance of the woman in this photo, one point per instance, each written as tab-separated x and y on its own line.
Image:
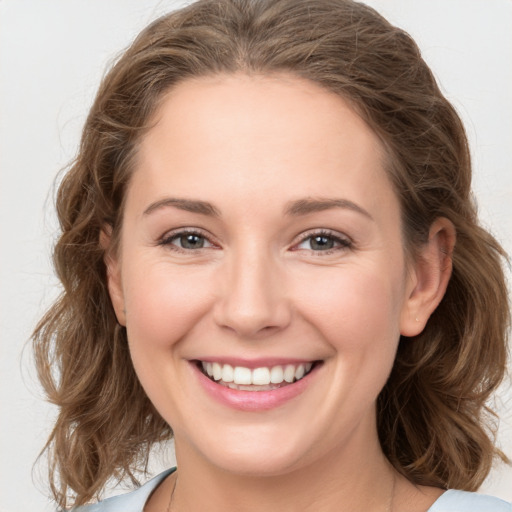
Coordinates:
268	245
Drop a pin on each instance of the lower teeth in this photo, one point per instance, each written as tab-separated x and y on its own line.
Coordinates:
241	387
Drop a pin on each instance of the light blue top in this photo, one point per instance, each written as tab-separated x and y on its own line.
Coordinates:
450	501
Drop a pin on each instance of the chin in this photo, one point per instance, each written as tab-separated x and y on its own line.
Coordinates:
251	453
259	463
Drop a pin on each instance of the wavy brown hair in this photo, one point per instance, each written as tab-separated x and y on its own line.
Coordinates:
433	417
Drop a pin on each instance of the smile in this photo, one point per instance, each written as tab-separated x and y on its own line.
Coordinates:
258	379
255	386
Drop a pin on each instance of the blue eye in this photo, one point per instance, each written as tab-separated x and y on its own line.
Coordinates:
323	242
190	241
186	240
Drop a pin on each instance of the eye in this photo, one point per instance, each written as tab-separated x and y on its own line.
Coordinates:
323	241
186	241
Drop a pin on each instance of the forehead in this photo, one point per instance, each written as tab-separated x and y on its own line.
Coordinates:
253	136
278	108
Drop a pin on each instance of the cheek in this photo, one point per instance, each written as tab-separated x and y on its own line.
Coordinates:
162	303
355	308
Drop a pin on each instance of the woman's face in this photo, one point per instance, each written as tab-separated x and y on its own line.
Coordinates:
262	240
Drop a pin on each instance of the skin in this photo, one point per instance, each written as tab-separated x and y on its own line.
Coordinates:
250	146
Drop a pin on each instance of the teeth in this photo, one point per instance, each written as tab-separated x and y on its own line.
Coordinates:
228	373
244	388
276	375
241	377
217	371
261	376
289	373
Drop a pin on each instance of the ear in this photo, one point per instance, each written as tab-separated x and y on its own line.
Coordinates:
113	267
428	277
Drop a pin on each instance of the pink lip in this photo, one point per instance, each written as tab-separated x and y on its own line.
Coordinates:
253	400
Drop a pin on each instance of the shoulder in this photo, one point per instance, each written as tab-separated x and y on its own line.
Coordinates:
130	502
463	501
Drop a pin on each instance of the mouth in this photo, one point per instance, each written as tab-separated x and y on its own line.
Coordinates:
264	378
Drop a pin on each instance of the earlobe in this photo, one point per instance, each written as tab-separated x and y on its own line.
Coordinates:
431	273
114	284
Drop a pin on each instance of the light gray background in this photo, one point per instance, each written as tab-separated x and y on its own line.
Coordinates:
52	56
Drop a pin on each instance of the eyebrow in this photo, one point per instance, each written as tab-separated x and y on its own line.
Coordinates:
293	208
189	205
313	205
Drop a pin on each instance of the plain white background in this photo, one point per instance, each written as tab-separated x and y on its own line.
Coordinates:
52	56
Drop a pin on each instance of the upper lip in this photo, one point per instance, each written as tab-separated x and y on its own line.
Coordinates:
256	362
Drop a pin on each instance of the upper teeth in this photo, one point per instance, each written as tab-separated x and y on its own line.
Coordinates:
259	376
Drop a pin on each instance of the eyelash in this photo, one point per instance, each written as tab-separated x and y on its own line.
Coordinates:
342	242
167	240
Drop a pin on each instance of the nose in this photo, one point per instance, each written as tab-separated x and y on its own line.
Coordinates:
253	301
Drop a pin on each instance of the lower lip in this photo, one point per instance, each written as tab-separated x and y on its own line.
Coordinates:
253	400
